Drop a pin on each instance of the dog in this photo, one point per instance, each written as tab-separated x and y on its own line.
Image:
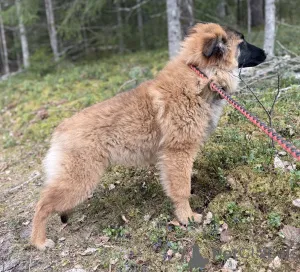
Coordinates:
163	121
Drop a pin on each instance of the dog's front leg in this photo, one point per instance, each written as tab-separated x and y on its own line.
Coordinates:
176	168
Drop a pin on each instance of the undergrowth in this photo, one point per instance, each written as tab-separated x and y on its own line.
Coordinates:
234	175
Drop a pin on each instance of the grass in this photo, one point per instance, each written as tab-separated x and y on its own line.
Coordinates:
233	176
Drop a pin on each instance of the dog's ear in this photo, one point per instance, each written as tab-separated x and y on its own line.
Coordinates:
214	46
191	30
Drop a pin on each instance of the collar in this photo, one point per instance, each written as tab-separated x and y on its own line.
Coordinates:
202	75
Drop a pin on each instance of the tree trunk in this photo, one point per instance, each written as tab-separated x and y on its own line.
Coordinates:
237	12
52	29
186	15
140	24
174	27
23	37
4	45
120	27
269	40
249	19
221	9
18	57
257	12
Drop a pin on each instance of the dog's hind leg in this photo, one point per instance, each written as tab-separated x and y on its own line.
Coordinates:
60	196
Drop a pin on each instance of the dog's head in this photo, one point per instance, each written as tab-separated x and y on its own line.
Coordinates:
213	45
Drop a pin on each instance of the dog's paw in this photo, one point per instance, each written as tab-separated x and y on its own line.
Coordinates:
43	246
192	217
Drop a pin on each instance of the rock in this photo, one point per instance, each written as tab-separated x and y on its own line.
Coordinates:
291	235
278	163
225	236
147	217
174	222
88	251
169	255
208	218
111	187
42	114
177	256
282	153
224	227
102	240
61	239
276	263
10	265
231	182
25	233
65	253
230	265
291	167
291	131
296	202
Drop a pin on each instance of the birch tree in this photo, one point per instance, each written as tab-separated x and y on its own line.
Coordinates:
174	27
4	45
52	28
23	37
269	39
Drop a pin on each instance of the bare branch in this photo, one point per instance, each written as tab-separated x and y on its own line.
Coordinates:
133	7
285	49
256	97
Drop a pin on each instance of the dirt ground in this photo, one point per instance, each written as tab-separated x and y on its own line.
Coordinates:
246	197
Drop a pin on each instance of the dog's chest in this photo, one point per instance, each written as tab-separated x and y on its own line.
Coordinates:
216	110
210	108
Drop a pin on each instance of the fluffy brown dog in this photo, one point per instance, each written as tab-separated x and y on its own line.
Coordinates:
163	121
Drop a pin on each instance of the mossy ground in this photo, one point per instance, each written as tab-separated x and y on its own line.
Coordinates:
233	178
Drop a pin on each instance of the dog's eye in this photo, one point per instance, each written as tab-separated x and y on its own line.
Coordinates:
224	40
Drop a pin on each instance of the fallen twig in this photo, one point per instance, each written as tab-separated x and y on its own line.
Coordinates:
126	83
273	104
35	175
285	49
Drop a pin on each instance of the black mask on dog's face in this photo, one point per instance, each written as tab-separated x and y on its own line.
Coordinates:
250	55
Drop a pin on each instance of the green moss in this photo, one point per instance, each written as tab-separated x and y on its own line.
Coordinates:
233	175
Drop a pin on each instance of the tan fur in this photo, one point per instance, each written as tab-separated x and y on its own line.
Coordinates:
163	121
